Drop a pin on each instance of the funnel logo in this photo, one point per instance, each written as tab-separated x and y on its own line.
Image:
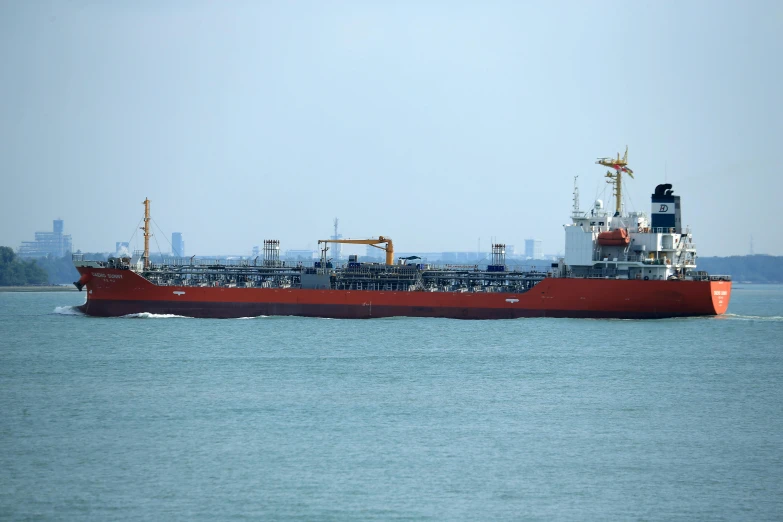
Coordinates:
664	208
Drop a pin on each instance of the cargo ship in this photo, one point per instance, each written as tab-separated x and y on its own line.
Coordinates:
616	265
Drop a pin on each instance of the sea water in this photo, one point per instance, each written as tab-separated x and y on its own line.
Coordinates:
274	418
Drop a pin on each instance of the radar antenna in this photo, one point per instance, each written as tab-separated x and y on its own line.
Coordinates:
619	165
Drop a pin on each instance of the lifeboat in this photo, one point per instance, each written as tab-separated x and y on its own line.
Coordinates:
616	237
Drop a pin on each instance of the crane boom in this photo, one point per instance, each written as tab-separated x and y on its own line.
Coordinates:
389	248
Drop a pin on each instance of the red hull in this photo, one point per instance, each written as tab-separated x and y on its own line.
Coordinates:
112	293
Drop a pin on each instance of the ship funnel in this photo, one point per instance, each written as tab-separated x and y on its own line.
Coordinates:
666	211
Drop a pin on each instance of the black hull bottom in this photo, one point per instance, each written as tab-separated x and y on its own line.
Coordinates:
219	310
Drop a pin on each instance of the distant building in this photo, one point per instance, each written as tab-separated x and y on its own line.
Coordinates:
534	249
300	255
464	257
177	245
53	243
373	252
122	248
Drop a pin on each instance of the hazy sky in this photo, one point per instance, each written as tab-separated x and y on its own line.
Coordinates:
434	123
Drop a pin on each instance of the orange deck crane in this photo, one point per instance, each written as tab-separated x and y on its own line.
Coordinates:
388	248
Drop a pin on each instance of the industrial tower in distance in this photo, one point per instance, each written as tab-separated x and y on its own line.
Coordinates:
177	245
337	250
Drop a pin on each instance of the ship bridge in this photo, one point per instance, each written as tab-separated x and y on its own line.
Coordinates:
632	245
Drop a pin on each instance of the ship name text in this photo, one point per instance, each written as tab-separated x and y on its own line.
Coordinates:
109	276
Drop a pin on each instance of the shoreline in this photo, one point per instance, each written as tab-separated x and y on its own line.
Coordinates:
49	288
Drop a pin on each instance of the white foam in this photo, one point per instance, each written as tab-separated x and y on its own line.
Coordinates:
67	310
148	315
256	317
752	317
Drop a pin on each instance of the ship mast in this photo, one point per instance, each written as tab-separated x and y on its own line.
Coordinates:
619	165
575	211
147	234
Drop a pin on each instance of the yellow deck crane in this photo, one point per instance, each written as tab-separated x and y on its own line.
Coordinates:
389	248
619	165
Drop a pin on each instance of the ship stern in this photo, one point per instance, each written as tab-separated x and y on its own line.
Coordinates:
720	292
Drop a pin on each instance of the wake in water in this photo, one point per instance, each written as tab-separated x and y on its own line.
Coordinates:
67	310
74	310
737	317
148	315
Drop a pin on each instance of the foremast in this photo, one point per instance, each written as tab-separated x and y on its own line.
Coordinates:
147	233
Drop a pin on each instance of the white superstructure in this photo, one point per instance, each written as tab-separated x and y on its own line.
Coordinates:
629	245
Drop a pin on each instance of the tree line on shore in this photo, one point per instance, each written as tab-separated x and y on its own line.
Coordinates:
758	268
51	270
18	272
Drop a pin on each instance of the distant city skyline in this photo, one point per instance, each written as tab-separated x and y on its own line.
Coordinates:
432	123
57	243
533	248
